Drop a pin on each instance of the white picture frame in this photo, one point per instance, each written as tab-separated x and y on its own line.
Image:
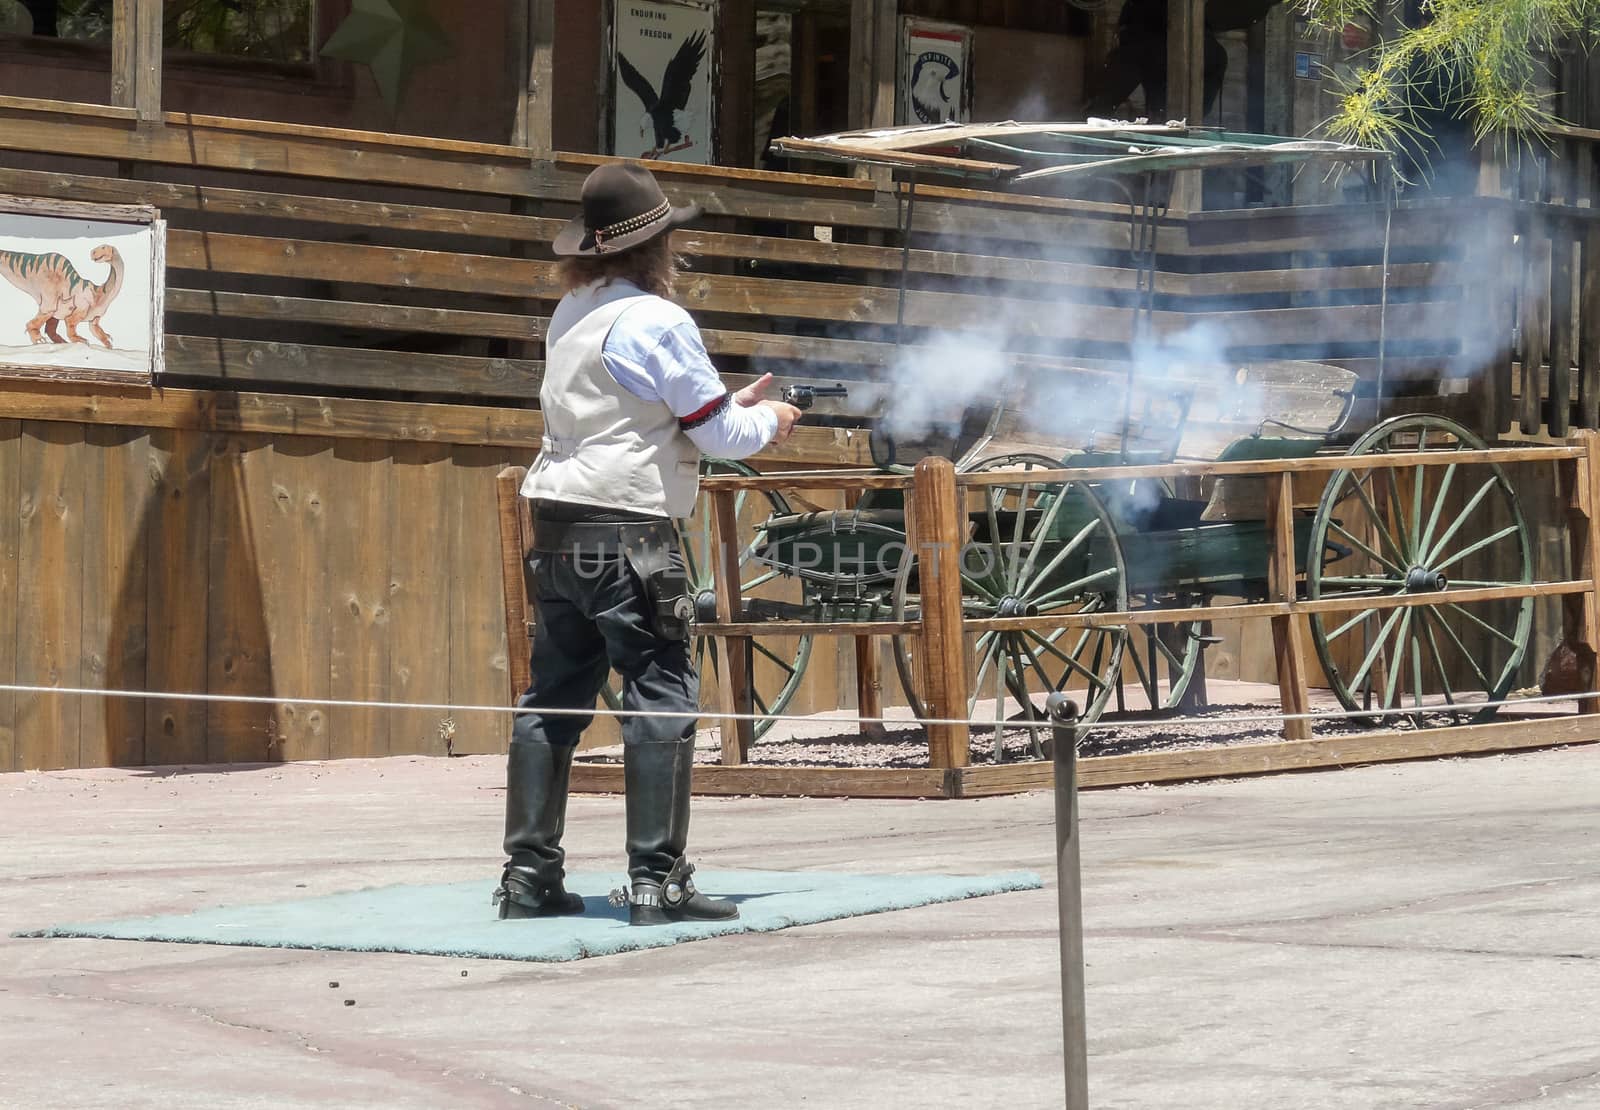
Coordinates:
659	48
82	291
935	72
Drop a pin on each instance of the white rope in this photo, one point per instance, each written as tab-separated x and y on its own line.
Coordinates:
557	711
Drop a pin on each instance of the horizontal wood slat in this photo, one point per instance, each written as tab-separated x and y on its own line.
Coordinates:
460	231
228	411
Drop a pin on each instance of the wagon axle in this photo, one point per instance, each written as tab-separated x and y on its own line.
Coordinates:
1013	606
1421	580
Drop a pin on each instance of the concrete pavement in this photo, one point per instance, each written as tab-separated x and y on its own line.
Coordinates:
1419	935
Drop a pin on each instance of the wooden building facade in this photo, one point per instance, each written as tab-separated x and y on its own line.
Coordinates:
304	504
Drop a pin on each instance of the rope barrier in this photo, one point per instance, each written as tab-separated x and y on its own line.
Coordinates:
852	719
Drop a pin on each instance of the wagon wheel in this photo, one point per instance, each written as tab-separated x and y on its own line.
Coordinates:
779	662
1411	531
1079	569
1164	658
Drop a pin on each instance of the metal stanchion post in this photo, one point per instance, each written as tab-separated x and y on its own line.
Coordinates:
1069	900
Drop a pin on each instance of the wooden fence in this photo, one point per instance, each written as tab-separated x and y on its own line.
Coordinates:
344	305
937	502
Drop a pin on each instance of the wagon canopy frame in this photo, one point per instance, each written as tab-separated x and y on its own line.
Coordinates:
1125	154
1021	152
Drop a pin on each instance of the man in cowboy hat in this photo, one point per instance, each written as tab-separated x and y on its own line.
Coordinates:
630	402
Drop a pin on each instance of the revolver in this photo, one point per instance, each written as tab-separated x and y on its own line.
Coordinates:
803	397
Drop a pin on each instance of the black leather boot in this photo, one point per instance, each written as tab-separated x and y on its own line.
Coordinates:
656	775
537	774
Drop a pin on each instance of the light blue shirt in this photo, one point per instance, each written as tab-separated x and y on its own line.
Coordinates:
655	352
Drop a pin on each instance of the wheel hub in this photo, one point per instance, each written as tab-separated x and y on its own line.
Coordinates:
1421	580
1012	606
705	607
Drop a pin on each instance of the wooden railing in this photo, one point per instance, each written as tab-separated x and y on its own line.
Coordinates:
936	495
351	263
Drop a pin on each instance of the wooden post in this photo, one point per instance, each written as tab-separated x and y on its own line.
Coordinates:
535	122
736	82
874	43
136	58
516	530
1288	636
1580	613
869	669
1186	61
1563	340
1487	297
938	537
1589	332
1534	324
734	688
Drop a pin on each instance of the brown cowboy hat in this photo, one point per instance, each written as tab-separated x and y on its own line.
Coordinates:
623	207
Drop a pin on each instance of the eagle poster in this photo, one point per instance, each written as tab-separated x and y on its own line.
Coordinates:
662	102
935	72
81	290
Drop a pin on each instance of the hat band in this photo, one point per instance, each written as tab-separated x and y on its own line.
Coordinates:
628	226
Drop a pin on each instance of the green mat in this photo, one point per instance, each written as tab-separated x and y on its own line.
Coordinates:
456	919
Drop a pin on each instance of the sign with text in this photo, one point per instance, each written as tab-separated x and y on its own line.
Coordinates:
935	72
662	103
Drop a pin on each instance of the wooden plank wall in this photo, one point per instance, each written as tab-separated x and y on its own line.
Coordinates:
270	547
316	260
264	565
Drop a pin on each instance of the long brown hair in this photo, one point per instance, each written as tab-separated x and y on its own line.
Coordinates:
651	266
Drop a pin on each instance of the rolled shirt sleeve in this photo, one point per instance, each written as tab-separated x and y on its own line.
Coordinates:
660	356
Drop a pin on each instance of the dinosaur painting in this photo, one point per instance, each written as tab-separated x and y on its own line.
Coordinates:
64	296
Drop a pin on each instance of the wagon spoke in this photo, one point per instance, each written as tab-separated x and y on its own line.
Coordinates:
1028	585
1173	658
1418	481
1416	669
755	696
1438	507
1377	518
1370	581
1392	679
758	581
999	710
1483	624
1472	660
1017	528
1073	587
775	657
1455	525
1397	507
988	594
1349	624
1038	536
1362	546
1099	647
990	496
1094	679
1377	647
1147	681
989	656
1438	657
1047	684
1028	707
1508	530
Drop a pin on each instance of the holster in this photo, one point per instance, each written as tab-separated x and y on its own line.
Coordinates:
651	551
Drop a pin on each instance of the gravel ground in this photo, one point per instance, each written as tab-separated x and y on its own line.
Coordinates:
832	740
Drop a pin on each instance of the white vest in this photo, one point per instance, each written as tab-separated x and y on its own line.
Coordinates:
602	445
